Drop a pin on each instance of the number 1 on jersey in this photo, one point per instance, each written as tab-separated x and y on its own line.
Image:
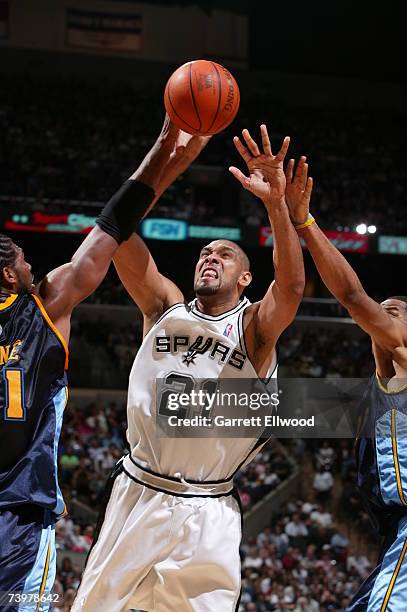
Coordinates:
14	409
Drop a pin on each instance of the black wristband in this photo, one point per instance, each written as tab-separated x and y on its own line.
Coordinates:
125	209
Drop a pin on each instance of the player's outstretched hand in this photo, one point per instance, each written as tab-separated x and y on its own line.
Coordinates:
171	154
298	190
266	177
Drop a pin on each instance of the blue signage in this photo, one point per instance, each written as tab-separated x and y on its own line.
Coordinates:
164	229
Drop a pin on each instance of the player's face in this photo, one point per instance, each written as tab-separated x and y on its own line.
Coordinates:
219	267
395	308
24	276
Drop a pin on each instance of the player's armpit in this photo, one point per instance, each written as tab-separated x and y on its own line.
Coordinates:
383	361
384	329
151	291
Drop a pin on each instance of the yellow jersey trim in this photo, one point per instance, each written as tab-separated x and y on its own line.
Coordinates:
54	329
395	457
394	578
9	301
383	388
44	577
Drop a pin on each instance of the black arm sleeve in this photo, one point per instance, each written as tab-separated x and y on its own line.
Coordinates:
125	209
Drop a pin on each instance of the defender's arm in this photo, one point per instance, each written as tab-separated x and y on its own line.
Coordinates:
343	282
335	271
71	283
150	290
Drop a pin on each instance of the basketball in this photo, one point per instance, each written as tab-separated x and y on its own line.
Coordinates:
202	97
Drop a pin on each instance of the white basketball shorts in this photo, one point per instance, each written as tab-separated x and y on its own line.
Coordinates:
160	552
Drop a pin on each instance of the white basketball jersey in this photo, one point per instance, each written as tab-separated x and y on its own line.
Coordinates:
187	343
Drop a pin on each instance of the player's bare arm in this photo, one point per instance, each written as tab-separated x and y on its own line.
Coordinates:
382	322
151	291
267	319
65	287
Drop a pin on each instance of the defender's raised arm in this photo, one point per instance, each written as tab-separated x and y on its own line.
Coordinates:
379	321
65	287
150	290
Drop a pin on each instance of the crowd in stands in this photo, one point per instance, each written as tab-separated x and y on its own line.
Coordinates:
302	563
102	352
71	139
307	560
92	441
262	475
324	352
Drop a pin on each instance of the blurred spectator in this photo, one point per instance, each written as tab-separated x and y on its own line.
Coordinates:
323	483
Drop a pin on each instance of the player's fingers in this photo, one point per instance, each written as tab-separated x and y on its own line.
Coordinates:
252	145
300	169
283	151
304	176
242	149
265	140
308	187
289	171
243	180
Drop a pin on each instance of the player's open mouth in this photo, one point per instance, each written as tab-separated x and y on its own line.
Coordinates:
209	273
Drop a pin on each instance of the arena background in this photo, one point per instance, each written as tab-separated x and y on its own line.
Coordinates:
80	103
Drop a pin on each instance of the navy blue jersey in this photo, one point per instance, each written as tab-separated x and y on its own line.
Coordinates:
33	395
381	454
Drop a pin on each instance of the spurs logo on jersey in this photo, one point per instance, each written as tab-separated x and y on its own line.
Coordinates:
213	348
188	350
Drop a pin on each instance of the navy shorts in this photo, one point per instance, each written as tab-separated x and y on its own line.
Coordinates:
27	558
386	587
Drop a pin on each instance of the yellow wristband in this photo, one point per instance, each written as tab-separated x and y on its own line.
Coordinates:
308	222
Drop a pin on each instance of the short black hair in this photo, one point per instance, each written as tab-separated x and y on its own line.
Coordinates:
8	252
400	298
245	261
243	258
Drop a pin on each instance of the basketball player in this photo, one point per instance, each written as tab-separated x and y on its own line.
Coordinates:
172	528
381	449
34	335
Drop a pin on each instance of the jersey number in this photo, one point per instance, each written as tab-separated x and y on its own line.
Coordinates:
183	383
14	408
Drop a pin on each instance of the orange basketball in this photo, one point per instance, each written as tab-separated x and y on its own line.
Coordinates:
202	97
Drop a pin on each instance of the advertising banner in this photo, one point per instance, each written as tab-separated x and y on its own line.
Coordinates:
344	241
396	245
43	222
109	31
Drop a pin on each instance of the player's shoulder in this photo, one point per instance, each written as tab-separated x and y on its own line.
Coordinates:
251	311
153	318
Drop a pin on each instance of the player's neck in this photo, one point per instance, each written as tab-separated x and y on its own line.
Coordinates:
214	305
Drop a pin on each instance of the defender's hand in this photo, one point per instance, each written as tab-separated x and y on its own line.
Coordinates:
171	154
266	177
298	190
